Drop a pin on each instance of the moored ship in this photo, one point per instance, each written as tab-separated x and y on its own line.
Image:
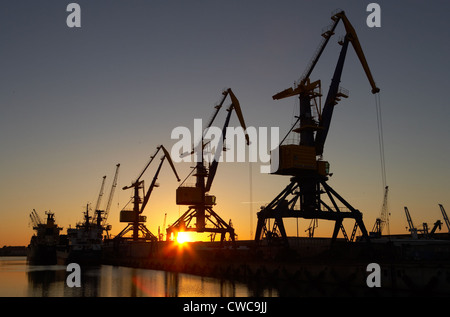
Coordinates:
43	244
83	244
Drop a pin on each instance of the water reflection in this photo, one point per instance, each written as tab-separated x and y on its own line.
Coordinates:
20	279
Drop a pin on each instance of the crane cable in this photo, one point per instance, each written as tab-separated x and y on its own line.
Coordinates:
384	208
380	139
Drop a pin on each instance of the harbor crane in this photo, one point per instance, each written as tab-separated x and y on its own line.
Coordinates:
303	161
111	194
425	233
411	226
35	219
100	195
101	216
97	212
110	199
444	215
197	198
136	221
384	216
160	233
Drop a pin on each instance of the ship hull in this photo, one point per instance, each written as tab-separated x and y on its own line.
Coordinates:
41	255
81	257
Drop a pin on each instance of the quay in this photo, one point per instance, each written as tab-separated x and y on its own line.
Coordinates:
406	268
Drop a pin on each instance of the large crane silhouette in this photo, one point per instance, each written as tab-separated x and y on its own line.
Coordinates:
303	161
196	197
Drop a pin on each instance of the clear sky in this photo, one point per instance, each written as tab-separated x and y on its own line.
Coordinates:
74	102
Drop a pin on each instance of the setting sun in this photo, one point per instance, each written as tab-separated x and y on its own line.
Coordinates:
183	237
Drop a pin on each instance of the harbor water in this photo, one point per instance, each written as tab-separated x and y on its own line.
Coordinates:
20	279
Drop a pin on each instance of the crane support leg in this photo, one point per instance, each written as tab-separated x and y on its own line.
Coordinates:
210	221
140	232
285	206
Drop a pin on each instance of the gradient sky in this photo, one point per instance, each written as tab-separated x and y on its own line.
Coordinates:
75	102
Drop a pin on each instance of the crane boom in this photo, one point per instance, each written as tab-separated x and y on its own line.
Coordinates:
36	215
384	215
408	218
330	102
111	193
169	159
351	33
152	185
145	168
100	195
237	108
137	183
412	229
217	107
215	163
444	214
326	37
333	93
35	220
384	209
305	88
353	38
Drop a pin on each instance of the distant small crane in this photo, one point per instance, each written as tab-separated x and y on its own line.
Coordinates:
412	228
101	216
35	219
312	225
111	194
425	234
384	216
100	195
444	214
161	232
